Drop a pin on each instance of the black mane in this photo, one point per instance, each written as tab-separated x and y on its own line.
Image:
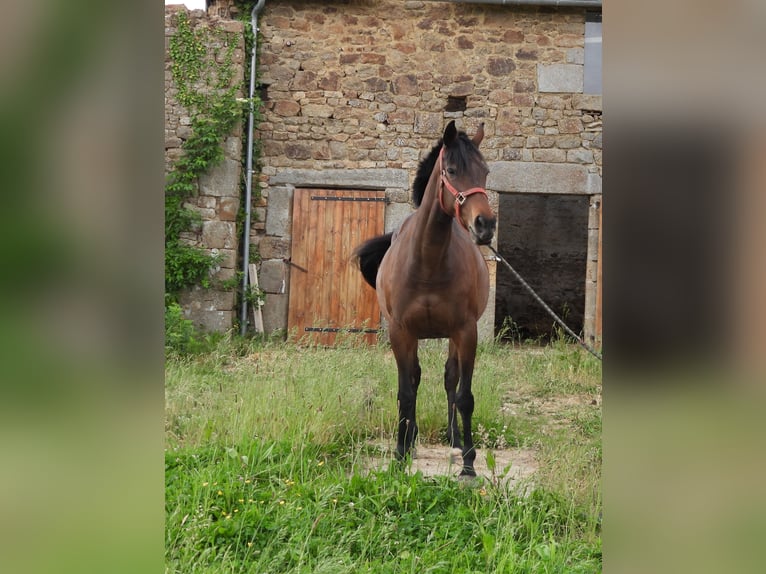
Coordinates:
458	153
424	174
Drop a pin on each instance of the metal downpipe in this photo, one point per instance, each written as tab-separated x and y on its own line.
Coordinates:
249	169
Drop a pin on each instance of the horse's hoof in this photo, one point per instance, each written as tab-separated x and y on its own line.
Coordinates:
467	472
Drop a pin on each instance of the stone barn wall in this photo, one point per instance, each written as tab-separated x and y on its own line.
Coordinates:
357	91
218	195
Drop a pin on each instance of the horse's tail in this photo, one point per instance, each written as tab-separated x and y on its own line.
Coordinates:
369	255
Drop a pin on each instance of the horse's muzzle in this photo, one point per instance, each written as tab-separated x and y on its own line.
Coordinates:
483	229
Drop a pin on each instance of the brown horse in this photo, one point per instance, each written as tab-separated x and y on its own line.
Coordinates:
432	280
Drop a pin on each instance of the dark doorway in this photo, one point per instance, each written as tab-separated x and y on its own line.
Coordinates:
545	238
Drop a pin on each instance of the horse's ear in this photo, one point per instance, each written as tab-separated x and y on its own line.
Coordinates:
450	134
479	135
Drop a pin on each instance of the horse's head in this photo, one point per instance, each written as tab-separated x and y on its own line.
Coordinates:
463	172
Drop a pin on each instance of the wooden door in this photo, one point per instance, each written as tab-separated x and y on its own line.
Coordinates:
327	293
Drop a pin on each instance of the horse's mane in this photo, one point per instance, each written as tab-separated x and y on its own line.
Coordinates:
459	153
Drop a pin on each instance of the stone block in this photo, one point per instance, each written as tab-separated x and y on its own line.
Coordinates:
228	258
275	312
286	108
587	102
210	310
278	216
428	123
580	156
396	213
274	248
211	321
273	272
232	147
538	177
593	185
549	155
576	56
462	90
560	78
228	209
500	66
221	180
486	324
219	234
568	142
304	81
297	151
317	110
593	244
570	125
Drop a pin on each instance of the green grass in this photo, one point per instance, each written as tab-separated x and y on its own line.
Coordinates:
264	474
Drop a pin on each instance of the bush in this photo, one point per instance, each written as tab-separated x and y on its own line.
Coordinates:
180	335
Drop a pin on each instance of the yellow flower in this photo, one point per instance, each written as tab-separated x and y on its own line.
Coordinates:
320	463
249	544
220	492
205	483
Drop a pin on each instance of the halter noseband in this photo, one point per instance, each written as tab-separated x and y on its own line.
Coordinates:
460	196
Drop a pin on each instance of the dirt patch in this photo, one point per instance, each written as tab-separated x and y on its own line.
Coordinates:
557	411
435	460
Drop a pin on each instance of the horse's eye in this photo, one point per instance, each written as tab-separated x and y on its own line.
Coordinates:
451	170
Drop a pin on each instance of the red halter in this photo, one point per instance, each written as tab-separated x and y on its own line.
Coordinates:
460	196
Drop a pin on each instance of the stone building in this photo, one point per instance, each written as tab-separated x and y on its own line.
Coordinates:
356	92
217	200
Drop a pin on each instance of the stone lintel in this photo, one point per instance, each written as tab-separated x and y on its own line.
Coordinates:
379	178
542	177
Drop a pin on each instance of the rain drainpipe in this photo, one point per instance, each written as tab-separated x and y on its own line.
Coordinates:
555	3
249	169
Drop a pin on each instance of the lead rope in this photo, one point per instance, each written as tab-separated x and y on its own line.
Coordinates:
569	331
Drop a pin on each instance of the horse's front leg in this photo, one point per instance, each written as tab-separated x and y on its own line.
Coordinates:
451	378
466	348
405	350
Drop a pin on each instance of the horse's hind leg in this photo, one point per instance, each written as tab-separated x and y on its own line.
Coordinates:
405	348
451	377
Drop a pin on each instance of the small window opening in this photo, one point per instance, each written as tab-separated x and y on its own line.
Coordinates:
455	104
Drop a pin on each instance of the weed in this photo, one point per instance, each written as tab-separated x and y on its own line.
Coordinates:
266	444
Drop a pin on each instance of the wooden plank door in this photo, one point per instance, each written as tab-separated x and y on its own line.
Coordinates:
327	292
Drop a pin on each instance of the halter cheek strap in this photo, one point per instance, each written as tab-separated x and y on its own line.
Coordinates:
460	196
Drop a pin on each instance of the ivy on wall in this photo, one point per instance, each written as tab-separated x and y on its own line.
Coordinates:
203	72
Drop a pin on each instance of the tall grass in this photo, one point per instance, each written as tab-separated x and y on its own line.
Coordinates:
264	442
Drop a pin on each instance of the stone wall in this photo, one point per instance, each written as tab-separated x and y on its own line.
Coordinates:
358	85
218	195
